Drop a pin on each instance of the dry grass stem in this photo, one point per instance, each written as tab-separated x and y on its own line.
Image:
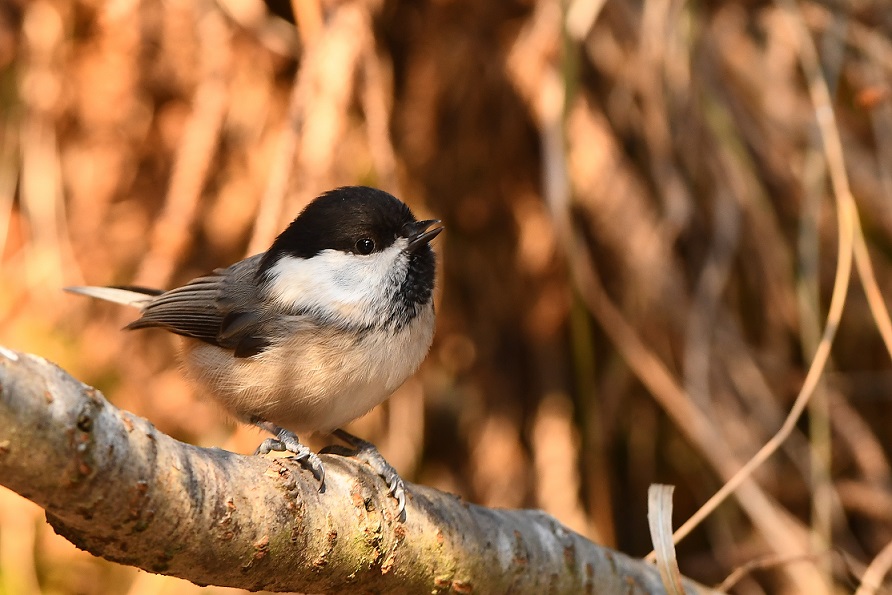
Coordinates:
659	519
846	217
174	229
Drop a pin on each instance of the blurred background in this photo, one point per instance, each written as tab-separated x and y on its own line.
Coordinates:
641	243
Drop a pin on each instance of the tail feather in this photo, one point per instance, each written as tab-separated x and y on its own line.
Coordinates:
136	297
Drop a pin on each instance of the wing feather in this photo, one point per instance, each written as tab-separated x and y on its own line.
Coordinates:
206	308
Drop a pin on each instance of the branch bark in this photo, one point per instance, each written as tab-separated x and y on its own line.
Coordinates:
118	488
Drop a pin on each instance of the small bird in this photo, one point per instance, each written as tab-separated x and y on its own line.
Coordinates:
314	332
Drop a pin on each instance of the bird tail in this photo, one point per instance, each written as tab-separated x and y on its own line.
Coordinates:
136	297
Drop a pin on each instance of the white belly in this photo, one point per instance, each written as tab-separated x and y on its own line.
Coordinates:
316	381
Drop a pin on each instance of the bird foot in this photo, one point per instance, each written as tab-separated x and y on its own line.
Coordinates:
367	453
287	441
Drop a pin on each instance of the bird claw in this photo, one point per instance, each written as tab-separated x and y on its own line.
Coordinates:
367	453
287	441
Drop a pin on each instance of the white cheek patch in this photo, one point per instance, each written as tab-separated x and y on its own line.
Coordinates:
336	283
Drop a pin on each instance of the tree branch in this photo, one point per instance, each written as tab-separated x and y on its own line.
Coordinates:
116	487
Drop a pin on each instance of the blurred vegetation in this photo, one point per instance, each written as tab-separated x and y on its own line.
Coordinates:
639	223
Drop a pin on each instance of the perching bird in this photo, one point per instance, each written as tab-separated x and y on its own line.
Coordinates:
315	331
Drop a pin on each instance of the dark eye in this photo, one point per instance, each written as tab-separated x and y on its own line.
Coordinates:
365	246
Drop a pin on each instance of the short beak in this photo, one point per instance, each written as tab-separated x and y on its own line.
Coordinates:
418	234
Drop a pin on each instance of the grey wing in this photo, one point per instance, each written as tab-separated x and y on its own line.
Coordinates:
220	309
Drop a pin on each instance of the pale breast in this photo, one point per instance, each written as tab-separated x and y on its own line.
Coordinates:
318	379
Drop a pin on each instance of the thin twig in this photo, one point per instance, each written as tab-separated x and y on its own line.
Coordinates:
761	563
872	579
